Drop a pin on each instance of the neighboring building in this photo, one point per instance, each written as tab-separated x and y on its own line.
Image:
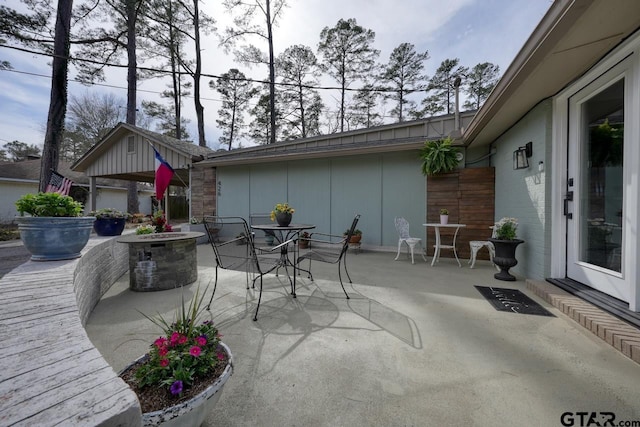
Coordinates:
126	153
19	178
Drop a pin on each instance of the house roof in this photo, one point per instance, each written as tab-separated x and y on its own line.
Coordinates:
571	37
30	170
395	137
100	160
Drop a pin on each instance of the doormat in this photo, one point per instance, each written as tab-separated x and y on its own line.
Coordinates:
503	299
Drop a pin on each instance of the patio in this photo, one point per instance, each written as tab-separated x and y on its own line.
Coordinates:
415	345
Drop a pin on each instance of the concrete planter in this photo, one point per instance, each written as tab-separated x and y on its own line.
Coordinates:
194	411
54	238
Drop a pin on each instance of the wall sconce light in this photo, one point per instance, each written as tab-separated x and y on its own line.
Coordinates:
521	156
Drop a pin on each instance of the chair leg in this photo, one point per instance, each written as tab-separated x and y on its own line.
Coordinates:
215	284
344	261
422	251
474	253
412	247
255	317
398	254
340	277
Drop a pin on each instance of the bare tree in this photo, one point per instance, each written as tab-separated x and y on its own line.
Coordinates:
348	55
245	13
236	92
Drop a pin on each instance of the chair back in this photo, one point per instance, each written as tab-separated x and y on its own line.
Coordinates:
402	226
345	246
233	246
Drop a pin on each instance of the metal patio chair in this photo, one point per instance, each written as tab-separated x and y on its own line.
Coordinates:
476	245
402	226
330	251
234	249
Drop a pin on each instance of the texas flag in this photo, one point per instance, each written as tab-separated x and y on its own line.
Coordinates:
164	173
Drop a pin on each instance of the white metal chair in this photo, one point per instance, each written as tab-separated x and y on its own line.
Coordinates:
402	225
476	245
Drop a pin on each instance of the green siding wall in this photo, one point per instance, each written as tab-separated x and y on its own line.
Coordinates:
329	192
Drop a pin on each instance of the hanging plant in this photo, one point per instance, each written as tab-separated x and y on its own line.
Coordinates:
439	156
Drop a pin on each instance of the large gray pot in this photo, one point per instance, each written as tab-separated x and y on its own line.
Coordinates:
55	238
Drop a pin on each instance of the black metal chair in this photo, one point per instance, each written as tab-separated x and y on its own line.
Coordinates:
234	249
330	251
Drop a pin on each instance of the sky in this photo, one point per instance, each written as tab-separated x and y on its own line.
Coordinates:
474	31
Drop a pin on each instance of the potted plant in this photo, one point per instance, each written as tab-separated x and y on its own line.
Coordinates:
109	221
439	156
303	242
159	221
355	237
505	244
54	230
444	216
282	213
181	377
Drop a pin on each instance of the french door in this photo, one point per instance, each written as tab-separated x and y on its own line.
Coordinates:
594	203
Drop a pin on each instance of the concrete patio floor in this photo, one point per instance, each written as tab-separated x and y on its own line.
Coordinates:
414	346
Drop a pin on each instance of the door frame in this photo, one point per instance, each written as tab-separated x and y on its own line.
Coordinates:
630	49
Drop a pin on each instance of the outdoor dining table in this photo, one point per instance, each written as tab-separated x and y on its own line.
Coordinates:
282	234
438	246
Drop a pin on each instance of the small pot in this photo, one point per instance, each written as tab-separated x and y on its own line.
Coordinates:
109	226
283	219
444	219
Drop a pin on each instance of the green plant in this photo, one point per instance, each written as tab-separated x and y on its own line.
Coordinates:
48	204
506	228
356	232
444	211
110	213
281	208
145	229
189	349
438	156
194	220
159	221
304	236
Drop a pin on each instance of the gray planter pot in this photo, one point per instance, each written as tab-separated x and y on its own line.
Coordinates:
55	238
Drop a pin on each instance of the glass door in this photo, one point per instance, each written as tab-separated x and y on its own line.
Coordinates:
594	202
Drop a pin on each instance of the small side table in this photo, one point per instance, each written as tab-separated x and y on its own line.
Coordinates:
438	246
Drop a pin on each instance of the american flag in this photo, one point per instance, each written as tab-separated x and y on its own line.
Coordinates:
59	184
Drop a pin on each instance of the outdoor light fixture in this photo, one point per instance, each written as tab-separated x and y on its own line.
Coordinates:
521	156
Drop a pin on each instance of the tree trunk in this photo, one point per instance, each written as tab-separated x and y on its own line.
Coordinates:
132	186
58	100
196	77
272	78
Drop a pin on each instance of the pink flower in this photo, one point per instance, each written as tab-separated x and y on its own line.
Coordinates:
160	342
201	340
182	339
195	351
162	351
220	355
174	338
164	362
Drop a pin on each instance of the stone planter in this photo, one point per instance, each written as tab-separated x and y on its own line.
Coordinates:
283	219
505	257
54	238
109	226
194	411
